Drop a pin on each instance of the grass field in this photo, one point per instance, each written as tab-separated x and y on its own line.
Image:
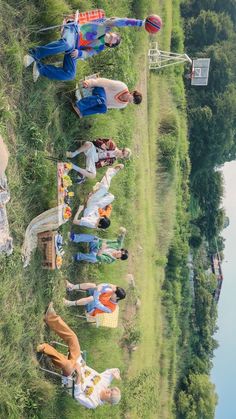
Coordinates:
36	121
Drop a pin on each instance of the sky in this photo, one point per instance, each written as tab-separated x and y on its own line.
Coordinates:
224	370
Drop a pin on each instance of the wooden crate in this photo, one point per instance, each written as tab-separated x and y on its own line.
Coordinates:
46	242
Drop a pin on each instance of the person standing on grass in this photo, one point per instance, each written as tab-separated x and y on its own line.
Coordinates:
98	207
103	298
92	389
105	94
101	250
77	43
99	153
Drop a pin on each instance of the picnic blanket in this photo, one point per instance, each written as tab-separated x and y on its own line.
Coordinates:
49	220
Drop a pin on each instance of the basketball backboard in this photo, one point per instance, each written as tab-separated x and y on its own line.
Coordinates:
200	72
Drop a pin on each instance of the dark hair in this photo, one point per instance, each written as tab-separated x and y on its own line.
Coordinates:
125	254
120	293
104	222
137	97
116	44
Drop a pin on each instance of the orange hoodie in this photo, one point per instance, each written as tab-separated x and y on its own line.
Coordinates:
105	300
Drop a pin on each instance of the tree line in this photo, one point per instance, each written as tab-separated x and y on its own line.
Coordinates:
210	33
209	27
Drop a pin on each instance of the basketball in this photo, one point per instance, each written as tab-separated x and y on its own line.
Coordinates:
153	24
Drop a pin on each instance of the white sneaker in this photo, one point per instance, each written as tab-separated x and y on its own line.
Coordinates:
78	94
28	60
69	286
68	303
36	73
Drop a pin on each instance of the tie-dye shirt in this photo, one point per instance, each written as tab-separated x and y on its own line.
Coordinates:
92	34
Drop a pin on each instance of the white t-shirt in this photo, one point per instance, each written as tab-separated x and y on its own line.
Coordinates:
99	199
87	393
104	154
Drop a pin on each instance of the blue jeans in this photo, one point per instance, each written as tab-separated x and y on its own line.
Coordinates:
66	44
96	103
93	247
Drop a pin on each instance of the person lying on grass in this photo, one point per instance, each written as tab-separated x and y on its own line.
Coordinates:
91	388
99	153
98	208
105	94
101	250
77	43
103	298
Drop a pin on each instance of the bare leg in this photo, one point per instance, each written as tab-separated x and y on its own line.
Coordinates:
86	146
87	285
76	287
80	302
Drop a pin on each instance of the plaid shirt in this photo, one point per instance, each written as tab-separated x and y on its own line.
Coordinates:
110	145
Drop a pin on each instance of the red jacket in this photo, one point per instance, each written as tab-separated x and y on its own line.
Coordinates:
110	145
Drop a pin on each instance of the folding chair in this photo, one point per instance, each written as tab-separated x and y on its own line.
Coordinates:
97	15
66	382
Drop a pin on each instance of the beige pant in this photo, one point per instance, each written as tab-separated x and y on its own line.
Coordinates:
67	365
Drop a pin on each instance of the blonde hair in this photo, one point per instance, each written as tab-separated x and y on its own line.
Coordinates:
128	152
115	396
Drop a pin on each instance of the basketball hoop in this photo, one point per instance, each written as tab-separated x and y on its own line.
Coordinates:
159	59
200	72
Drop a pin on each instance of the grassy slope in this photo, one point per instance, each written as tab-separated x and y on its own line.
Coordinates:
35	117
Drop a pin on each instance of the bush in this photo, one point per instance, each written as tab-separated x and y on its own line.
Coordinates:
176	40
169	124
167	151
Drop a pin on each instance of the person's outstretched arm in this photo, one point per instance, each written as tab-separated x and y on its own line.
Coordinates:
105	83
76	217
123	21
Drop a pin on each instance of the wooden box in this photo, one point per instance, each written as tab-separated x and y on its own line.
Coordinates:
46	242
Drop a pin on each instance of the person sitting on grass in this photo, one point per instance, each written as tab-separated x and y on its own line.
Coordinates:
98	207
78	42
92	389
101	250
105	94
99	153
103	298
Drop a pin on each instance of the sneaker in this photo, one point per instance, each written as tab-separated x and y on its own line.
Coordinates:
69	286
80	180
49	310
68	303
28	60
69	155
36	73
40	348
78	94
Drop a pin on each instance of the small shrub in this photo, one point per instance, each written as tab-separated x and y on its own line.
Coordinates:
176	40
168	124
167	151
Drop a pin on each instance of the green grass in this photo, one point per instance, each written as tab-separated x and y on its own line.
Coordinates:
36	120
